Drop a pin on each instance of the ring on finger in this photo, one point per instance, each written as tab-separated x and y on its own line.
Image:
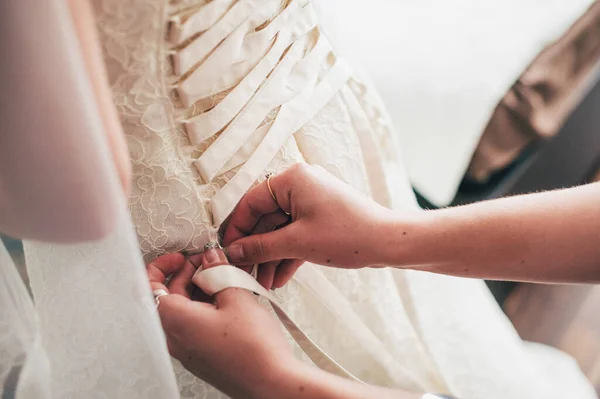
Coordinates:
268	176
157	295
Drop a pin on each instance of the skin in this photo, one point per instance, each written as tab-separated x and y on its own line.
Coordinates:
233	343
85	26
543	237
56	121
207	338
550	237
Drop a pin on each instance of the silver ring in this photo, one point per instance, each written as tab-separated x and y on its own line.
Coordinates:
157	294
212	245
206	247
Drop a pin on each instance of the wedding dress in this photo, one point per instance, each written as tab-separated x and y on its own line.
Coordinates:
213	95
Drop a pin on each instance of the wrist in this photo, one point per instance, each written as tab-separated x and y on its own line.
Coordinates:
299	380
306	381
402	240
285	382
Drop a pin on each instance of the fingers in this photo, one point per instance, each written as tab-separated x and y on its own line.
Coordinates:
270	222
267	224
178	314
266	274
232	296
254	205
286	271
251	208
181	282
170	306
213	257
197	293
183	321
162	267
261	248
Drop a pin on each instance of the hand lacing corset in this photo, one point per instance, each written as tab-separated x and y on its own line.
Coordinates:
257	61
415	330
263	69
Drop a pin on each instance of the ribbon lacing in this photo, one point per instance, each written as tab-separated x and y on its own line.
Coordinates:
261	58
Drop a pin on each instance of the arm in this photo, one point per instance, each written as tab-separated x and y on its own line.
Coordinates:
236	345
57	181
549	237
85	26
309	382
553	236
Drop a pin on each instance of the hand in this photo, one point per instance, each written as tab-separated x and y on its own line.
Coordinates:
233	344
331	224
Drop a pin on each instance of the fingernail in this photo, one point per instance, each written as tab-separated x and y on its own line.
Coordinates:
236	253
211	255
196	260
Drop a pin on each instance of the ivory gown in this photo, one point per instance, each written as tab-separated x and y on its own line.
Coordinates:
214	95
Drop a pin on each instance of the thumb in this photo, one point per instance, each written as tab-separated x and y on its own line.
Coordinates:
231	296
261	248
176	312
181	320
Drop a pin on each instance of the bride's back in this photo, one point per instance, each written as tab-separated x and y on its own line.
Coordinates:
212	95
194	73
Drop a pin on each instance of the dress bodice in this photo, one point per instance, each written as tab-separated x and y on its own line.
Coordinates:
214	94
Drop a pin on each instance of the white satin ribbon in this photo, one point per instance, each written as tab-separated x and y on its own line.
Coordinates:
241	51
217	279
214	280
282	89
271	94
207	124
291	117
185	26
242	11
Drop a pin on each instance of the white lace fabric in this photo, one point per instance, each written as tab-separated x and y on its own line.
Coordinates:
213	95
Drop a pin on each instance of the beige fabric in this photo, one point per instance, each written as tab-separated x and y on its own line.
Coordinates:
542	99
217	279
213	95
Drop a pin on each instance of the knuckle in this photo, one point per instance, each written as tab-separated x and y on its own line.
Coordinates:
259	250
301	168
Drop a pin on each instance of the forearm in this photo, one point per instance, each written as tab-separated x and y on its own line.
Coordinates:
309	382
550	237
85	25
55	183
